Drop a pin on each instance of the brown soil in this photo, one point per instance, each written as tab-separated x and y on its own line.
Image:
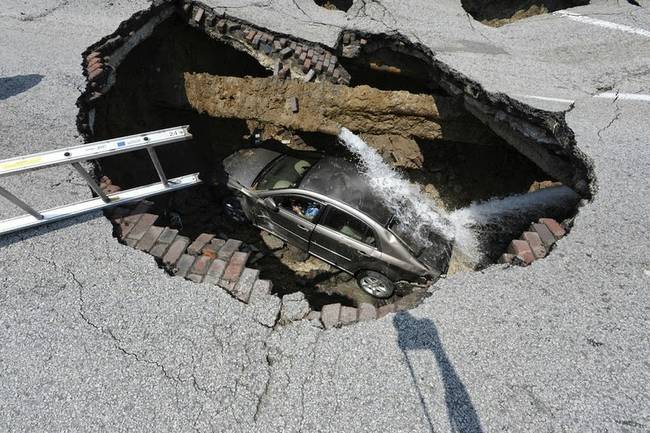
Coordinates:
325	107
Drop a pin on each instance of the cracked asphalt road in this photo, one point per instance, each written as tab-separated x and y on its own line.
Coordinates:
96	338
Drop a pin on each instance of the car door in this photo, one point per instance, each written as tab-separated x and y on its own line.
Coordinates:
292	218
343	240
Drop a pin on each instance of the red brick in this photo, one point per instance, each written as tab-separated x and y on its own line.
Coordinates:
250	35
210	251
167	236
198	244
215	271
245	285
535	243
94	61
228	249
522	250
95	74
93	55
286	52
159	250
235	266
385	309
367	312
544	234
183	265
149	239
176	249
347	315
555	227
306	65
141	227
128	222
94	67
195	278
218	243
329	315
201	265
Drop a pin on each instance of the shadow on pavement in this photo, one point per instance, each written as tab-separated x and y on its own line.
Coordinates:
12	86
421	334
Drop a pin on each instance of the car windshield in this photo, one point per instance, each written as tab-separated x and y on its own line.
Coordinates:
285	172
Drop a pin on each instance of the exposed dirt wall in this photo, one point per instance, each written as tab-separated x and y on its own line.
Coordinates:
324	107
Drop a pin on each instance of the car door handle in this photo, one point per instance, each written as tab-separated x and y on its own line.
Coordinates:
363	253
303	228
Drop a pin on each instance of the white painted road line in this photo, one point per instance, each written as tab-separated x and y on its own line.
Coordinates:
607	24
605	95
624	96
545	98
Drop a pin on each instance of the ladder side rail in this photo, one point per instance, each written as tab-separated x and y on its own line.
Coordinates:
91	151
121	197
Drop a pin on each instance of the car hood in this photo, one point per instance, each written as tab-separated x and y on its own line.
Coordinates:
244	165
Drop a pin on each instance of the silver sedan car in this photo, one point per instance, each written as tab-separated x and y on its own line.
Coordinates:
324	206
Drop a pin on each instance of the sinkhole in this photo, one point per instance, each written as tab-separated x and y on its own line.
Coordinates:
501	12
240	86
341	5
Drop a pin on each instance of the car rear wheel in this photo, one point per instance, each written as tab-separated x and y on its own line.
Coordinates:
375	284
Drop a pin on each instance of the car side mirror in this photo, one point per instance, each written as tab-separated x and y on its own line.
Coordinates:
270	203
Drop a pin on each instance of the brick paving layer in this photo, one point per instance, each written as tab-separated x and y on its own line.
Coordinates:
211	260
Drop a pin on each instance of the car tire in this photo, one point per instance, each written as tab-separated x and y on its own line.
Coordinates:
375	284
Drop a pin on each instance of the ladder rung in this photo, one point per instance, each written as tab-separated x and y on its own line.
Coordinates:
120	197
93	150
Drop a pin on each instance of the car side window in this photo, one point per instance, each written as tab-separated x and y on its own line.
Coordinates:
301	206
348	225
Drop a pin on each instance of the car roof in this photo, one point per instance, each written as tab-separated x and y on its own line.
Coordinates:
341	180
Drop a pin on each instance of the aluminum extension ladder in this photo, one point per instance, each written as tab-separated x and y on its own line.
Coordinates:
76	155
